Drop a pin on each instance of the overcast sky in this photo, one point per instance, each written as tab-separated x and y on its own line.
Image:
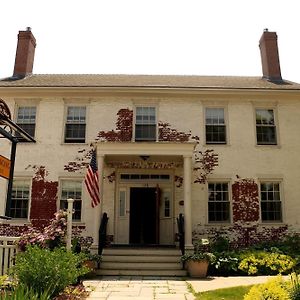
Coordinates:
211	37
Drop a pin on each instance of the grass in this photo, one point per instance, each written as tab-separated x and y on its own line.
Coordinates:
234	293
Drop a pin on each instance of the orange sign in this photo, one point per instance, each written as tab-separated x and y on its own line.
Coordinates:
4	167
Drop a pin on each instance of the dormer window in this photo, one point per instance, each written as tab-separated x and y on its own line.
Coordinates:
145	124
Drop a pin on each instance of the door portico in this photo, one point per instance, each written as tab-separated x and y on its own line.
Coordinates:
147	156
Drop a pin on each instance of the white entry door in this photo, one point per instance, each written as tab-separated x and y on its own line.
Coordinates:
122	216
166	219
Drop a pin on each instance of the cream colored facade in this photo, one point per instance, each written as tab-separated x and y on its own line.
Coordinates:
184	110
221	150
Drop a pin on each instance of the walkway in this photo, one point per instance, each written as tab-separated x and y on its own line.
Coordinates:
138	288
161	288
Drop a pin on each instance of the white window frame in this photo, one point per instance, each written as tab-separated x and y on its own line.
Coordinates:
219	181
274	109
224	124
156	122
75	179
29	180
67	106
273	181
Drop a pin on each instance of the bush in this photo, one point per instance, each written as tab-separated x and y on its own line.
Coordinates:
294	287
50	237
265	263
274	289
226	263
43	269
23	292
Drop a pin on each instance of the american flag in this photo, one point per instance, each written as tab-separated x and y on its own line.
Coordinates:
91	180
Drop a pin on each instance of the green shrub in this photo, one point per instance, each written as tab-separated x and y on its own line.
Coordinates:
43	269
274	289
294	287
265	263
24	293
225	264
220	244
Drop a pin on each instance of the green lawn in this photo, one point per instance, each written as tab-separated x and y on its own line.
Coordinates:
235	293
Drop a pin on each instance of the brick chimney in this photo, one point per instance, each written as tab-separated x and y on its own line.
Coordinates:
269	56
25	53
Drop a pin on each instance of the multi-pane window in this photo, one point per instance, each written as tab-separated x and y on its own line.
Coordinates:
26	119
19	199
265	127
72	189
75	124
218	202
145	124
271	209
215	126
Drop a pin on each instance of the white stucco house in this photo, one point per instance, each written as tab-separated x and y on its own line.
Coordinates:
221	150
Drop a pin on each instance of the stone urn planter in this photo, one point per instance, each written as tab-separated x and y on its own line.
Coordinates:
197	262
197	268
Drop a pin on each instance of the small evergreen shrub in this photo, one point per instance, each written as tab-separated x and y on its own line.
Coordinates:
274	289
266	263
44	269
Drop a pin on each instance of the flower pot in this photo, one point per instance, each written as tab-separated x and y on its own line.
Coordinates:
197	268
91	264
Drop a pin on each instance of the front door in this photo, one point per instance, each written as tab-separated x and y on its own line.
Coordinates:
143	221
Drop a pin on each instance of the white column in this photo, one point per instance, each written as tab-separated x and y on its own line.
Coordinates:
98	208
69	223
187	190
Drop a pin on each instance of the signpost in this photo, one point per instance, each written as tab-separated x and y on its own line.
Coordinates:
4	167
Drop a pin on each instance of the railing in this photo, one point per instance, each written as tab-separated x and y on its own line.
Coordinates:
8	250
102	233
180	226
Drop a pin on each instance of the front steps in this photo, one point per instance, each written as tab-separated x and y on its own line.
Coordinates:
141	262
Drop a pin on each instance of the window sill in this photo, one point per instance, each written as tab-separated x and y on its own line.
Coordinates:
74	144
16	222
268	146
218	224
216	145
270	223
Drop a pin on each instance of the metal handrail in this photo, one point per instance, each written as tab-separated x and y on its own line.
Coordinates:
102	233
180	226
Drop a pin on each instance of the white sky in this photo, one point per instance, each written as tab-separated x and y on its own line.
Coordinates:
211	37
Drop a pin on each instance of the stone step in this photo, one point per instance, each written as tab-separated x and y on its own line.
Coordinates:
141	261
141	265
142	251
137	272
140	258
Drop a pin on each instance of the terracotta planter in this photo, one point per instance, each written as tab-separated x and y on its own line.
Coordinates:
91	264
197	268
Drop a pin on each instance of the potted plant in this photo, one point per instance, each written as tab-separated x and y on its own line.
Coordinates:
91	260
197	262
83	245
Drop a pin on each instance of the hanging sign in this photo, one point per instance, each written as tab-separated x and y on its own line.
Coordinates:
4	167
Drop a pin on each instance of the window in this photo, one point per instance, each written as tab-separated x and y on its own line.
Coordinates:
145	124
218	202
75	125
270	202
72	189
20	199
122	204
265	127
26	120
215	126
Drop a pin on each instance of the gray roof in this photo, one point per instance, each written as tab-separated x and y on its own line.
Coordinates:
157	81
